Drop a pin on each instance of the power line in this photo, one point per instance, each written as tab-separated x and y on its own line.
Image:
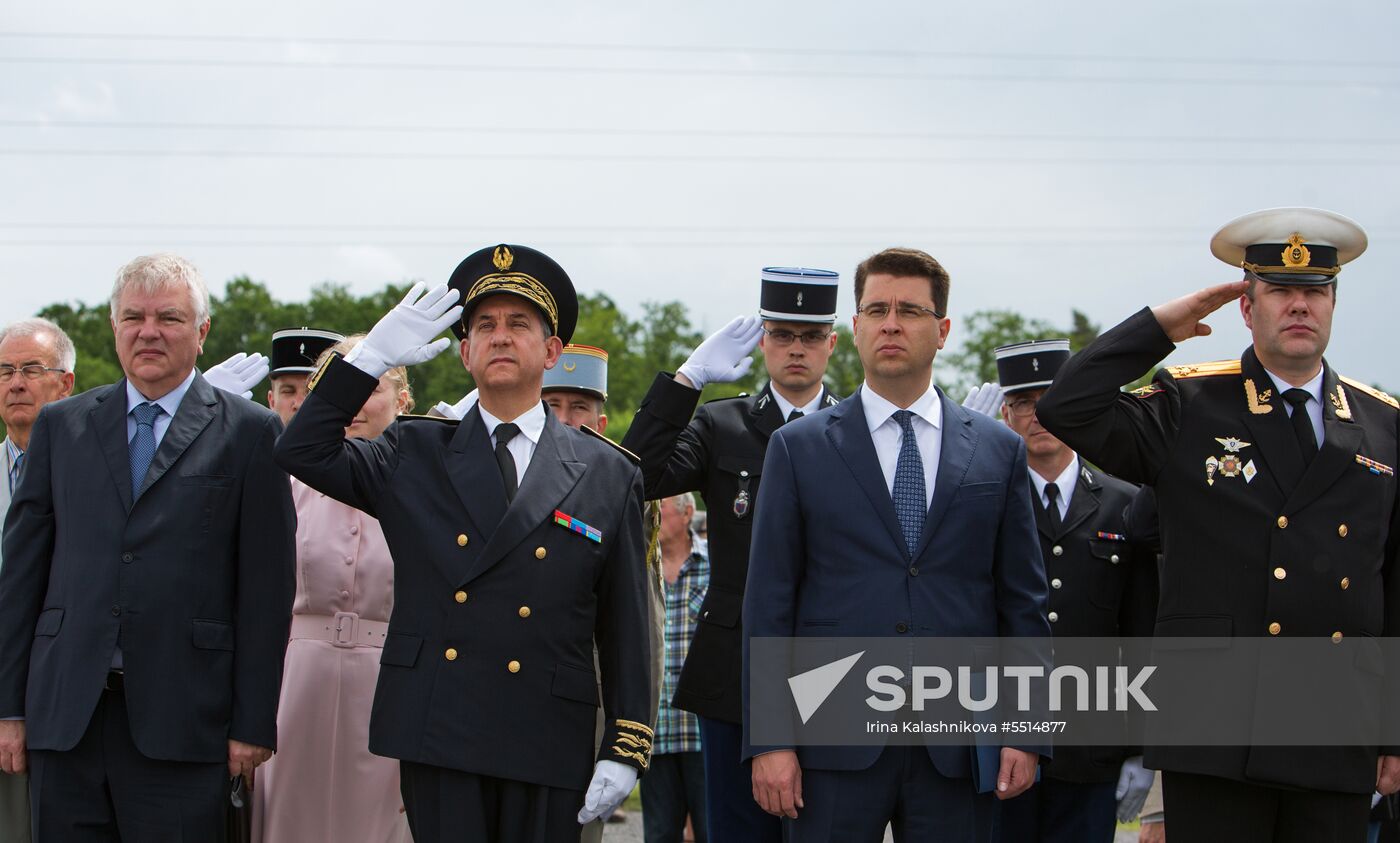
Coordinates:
723	158
699	131
694	49
644	72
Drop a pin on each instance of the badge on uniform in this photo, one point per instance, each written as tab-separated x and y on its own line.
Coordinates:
572	523
1113	537
1339	404
1375	467
741	503
1230	464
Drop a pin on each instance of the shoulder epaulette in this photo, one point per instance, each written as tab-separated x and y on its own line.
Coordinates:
1370	390
636	460
420	417
1204	370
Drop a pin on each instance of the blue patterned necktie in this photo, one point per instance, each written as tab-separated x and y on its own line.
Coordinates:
143	444
909	502
14	471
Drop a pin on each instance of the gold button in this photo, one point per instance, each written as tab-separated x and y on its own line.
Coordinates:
1336	638
1275	628
1342	530
540	552
1283	522
451	654
524	611
513	666
460	597
1346	583
1279	573
462	540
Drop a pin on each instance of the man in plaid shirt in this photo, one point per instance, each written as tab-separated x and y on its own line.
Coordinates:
675	784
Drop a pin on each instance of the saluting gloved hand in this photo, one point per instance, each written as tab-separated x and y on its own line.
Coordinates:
1134	780
985	399
404	336
238	374
611	784
456	411
723	357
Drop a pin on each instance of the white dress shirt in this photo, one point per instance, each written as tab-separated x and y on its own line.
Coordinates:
1314	406
169	402
1066	482
522	446
786	407
884	430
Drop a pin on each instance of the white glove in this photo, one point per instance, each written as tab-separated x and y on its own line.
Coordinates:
404	336
1376	799
1134	780
985	399
458	411
238	374
723	357
612	782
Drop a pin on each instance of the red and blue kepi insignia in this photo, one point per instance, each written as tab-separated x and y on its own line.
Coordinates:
591	533
1115	537
741	503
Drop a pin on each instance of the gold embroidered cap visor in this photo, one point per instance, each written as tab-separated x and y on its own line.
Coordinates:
518	271
1290	246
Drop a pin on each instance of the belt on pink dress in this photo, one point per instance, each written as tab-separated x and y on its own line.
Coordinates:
343	629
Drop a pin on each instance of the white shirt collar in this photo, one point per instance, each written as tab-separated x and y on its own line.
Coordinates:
1312	387
1065	481
786	407
878	409
169	402
530	422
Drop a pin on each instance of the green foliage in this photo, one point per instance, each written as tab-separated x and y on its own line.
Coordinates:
985	330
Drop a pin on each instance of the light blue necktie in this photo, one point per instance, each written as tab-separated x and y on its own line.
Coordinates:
143	444
909	502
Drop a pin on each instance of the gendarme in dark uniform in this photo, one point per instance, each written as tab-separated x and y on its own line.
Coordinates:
1099	587
1275	521
719	454
487	691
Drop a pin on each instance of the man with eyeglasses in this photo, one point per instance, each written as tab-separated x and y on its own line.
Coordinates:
1098	588
719	453
36	368
897	514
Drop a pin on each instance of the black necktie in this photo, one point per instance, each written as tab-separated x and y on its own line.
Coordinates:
1052	511
1302	425
504	433
794	415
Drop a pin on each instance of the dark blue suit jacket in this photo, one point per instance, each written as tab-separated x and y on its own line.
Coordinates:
194	578
829	558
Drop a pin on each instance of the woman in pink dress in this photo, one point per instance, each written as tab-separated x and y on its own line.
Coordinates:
323	784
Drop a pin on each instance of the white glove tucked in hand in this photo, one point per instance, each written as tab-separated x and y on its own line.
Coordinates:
612	782
458	411
1134	780
238	374
404	336
723	357
985	399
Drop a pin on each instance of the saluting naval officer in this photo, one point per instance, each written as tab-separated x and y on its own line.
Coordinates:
1098	588
1275	486
576	389
719	453
517	542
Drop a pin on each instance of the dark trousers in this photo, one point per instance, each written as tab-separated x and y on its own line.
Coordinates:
1053	811
1207	808
450	806
901	788
104	790
673	787
730	812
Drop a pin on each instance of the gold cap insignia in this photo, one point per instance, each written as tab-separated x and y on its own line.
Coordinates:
1296	254
569	367
503	258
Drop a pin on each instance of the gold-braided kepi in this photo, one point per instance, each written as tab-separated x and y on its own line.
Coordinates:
518	271
1290	246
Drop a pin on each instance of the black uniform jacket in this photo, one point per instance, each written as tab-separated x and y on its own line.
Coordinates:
488	663
1101	585
1254	543
719	454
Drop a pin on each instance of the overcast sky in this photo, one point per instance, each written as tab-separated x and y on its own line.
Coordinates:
1052	155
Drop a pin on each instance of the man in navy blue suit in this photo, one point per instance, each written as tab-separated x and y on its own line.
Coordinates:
896	513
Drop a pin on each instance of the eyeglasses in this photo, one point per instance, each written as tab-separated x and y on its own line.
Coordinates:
905	311
31	372
1023	407
810	339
